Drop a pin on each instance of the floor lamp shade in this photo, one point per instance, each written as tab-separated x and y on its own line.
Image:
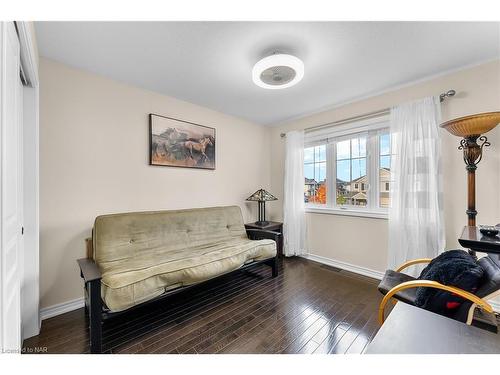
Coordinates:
262	196
471	129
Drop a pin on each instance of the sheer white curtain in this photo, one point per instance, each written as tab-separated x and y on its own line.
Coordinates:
416	224
294	226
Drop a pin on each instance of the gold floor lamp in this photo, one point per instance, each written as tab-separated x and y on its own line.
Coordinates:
471	129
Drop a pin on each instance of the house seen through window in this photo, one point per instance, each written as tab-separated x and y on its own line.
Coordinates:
351	172
385	154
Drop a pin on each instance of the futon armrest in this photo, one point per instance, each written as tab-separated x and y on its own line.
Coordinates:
89	270
259	234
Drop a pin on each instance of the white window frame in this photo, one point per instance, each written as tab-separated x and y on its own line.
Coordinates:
329	136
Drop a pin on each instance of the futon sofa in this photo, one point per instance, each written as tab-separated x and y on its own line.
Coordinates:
136	258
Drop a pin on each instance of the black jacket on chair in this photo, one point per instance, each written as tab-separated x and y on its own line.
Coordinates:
486	270
456	268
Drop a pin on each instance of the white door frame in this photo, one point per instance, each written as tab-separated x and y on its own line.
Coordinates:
11	198
26	271
30	291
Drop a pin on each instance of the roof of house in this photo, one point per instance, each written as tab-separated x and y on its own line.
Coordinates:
360	179
363	178
359	195
312	181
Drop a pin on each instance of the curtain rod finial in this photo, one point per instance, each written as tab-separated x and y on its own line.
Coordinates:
447	94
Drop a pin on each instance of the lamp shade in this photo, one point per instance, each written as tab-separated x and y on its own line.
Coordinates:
472	125
262	195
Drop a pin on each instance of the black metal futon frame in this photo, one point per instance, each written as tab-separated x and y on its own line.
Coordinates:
97	312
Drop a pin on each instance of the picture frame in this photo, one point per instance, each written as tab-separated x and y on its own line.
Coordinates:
178	143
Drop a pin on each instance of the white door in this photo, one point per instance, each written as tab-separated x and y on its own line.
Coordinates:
11	189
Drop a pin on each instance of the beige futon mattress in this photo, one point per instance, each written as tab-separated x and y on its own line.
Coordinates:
131	281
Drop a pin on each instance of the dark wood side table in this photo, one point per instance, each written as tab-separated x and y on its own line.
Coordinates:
472	238
273	226
411	330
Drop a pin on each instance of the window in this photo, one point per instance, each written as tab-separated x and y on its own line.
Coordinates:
347	170
351	172
385	154
315	174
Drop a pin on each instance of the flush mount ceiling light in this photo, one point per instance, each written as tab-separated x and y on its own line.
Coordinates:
278	71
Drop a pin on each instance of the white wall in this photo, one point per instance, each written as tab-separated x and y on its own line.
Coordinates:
363	241
94	160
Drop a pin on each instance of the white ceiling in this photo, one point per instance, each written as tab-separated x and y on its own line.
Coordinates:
210	63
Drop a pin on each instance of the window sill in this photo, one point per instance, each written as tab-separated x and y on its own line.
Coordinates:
347	212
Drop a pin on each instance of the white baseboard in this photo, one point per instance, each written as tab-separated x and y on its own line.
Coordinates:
61	308
346	266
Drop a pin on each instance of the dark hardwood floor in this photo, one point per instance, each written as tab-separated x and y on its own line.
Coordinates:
308	308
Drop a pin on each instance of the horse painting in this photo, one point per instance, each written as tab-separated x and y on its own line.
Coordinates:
179	143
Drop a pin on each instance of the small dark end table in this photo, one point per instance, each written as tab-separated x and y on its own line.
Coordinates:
273	226
472	238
